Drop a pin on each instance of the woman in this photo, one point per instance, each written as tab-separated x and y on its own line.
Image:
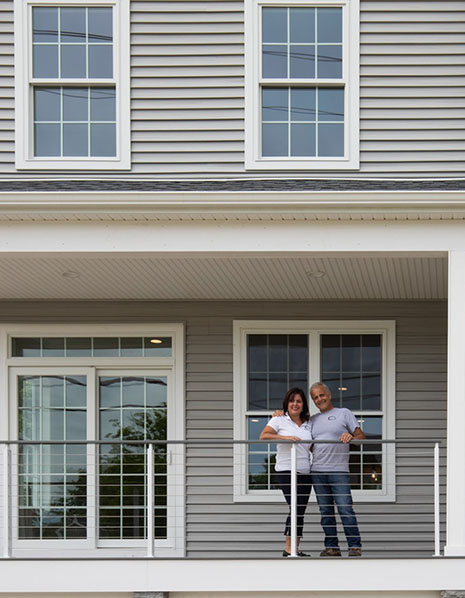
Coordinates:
294	426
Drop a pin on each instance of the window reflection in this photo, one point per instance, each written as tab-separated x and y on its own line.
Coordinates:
343	367
275	362
261	457
131	408
366	459
84	42
52	480
302	121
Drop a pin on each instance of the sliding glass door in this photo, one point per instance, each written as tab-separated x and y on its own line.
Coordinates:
57	480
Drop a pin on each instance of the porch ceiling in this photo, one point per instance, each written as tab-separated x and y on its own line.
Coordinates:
33	277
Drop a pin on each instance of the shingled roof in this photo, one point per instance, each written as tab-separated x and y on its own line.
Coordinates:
239	185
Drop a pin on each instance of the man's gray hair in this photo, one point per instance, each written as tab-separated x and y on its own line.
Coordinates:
319	385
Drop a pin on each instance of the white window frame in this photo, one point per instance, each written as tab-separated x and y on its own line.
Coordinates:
313	328
24	84
172	367
349	81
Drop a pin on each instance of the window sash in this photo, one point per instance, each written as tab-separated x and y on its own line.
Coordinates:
286	51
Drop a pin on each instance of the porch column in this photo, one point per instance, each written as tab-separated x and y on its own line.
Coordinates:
455	543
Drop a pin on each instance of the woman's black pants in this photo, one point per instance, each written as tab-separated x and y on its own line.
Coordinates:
304	486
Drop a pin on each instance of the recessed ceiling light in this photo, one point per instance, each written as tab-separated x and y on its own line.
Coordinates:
156	341
70	274
316	273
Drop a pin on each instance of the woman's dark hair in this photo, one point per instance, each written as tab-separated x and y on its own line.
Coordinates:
305	413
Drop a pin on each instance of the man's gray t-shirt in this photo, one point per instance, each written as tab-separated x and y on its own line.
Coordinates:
329	426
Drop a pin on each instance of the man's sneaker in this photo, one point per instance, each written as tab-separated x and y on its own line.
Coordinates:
329	551
300	553
355	551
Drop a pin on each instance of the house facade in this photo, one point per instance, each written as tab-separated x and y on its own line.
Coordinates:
203	203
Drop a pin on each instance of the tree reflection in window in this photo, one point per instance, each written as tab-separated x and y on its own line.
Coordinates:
131	408
52	478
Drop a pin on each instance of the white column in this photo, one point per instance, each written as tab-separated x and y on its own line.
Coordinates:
455	543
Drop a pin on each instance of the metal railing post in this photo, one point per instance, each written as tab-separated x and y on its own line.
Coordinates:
293	500
150	502
6	501
437	523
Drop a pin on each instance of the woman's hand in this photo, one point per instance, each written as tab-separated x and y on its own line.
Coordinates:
278	413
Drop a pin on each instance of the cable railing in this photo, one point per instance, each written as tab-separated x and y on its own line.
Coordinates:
210	498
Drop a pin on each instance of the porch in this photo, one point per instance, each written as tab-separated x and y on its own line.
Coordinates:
207	292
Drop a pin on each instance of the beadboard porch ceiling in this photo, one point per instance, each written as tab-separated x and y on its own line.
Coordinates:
106	277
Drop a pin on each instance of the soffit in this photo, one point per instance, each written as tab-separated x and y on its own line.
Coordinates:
222	278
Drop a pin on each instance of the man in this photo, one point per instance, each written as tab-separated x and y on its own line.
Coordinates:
330	470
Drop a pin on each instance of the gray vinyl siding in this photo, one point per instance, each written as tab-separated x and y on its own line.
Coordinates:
412	87
218	527
7	116
187	78
188	74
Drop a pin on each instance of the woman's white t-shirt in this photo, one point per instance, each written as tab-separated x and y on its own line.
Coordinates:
284	426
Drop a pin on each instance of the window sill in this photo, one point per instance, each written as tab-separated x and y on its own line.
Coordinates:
276	496
70	164
305	164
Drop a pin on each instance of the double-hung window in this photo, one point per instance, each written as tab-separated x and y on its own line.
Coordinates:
302	69
72	84
355	359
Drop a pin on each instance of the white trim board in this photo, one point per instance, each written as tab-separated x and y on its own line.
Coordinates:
241	575
256	238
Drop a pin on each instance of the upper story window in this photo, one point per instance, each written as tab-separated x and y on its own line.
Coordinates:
302	64
72	85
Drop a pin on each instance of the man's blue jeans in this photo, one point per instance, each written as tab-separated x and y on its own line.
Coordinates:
334	489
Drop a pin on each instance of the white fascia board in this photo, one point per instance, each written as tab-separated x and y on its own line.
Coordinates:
256	238
281	201
241	575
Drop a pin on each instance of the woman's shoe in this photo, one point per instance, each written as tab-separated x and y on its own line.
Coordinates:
300	553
